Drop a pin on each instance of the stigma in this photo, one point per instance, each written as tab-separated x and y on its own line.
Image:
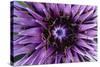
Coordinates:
59	32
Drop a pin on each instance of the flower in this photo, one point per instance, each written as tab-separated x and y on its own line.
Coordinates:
50	33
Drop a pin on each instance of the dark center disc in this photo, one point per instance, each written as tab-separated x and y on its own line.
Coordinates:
68	39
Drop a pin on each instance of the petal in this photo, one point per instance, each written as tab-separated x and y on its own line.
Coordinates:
42	56
24	60
75	10
42	44
25	21
16	28
49	53
69	56
20	61
21	14
90	57
93	44
30	40
24	50
78	51
28	60
82	59
84	44
88	8
76	58
84	27
83	36
34	14
18	4
61	7
41	8
81	10
93	34
67	10
17	40
15	36
93	53
19	46
32	32
58	58
85	16
54	8
36	57
91	21
43	24
49	60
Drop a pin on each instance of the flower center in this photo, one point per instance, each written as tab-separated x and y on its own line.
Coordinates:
61	33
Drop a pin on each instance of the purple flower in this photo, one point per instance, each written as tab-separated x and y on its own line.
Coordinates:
49	33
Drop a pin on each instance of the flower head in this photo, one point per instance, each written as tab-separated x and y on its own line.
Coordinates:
50	33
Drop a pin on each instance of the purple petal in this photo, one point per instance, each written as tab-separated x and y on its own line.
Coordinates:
84	27
19	39
49	52
23	50
18	5
86	16
81	57
75	10
58	58
43	24
50	59
91	33
54	7
84	44
90	57
81	10
25	22
67	10
69	56
32	32
17	28
30	40
27	59
76	58
78	51
41	8
93	44
21	14
34	14
36	57
19	46
88	8
42	44
61	7
91	21
21	61
42	56
83	36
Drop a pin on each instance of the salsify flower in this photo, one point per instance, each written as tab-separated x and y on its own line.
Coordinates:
51	33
